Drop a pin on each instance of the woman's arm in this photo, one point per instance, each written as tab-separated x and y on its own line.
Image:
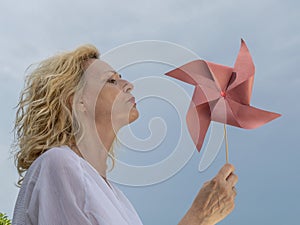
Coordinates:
214	201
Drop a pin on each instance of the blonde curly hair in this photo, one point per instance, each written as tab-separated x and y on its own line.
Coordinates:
44	113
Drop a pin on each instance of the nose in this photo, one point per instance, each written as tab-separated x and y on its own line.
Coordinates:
127	87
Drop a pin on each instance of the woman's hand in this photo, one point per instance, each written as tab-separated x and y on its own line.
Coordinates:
214	201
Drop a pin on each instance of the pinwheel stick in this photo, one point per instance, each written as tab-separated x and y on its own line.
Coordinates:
226	143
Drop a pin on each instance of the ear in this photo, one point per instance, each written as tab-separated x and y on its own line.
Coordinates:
80	104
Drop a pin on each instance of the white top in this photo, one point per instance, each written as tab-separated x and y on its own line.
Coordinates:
61	188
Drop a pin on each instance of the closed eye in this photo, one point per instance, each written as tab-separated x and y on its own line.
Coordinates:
112	81
114	78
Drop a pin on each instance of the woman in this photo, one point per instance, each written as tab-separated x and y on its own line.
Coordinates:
69	113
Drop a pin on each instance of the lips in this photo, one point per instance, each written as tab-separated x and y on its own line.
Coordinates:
132	100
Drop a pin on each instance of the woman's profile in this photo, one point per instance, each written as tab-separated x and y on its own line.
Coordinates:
68	115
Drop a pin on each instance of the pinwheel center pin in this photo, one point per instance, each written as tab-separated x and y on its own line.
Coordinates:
223	94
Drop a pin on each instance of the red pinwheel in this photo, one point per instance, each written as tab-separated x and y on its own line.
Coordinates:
221	94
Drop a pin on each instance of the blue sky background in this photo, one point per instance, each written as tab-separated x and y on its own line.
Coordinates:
266	159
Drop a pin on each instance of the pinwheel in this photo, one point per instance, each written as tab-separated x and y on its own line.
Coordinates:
221	94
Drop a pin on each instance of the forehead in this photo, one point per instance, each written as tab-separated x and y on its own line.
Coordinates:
99	69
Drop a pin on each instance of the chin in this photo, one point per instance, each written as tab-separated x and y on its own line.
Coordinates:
134	114
124	119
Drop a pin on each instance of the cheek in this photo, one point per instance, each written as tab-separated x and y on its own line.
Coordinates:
107	100
103	105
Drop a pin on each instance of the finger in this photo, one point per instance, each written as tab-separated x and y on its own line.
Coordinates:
232	179
225	171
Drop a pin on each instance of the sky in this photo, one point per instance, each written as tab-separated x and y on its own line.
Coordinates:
266	159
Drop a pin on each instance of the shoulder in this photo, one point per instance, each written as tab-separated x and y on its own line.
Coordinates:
57	160
61	155
56	157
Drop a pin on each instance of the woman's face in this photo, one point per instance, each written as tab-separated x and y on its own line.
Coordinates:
116	102
109	95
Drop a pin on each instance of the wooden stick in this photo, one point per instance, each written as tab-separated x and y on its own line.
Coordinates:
226	143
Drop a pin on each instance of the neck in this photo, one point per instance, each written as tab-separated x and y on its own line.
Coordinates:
95	150
107	135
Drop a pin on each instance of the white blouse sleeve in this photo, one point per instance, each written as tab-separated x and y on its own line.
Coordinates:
58	195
